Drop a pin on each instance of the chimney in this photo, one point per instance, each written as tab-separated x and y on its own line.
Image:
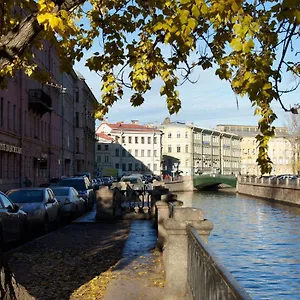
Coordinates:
135	122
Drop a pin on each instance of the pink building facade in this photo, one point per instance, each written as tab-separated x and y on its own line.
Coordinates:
38	126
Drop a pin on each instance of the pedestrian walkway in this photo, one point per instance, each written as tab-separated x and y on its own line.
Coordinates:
140	274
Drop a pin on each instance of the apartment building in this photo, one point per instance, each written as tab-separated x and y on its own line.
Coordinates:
38	138
280	149
128	148
189	149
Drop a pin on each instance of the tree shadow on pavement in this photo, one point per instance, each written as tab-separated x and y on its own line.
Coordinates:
71	263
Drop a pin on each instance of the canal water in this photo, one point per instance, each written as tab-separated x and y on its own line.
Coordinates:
257	240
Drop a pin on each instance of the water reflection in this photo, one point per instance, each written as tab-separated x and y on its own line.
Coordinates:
257	240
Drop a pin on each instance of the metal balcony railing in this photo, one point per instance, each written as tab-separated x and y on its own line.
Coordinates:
39	101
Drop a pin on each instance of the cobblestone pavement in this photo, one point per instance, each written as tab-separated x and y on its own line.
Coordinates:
74	262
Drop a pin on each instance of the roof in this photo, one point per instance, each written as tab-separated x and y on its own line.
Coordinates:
131	127
104	136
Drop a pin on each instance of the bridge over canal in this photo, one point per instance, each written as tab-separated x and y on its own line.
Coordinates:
213	180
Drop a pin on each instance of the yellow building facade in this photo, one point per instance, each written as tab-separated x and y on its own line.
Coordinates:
280	150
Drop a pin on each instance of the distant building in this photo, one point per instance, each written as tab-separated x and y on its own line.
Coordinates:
280	149
189	149
128	148
38	137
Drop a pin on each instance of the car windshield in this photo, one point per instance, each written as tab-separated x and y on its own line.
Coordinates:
129	179
60	191
26	196
79	185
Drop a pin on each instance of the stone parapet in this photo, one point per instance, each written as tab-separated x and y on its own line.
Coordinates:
176	249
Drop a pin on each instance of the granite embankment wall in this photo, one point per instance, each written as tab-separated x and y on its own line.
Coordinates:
289	194
184	184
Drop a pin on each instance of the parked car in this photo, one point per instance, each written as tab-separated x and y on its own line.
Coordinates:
40	204
13	221
70	202
135	182
83	187
107	181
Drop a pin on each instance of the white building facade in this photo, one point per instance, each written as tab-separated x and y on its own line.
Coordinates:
189	150
128	148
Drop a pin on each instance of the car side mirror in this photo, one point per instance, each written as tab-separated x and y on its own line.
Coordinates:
16	207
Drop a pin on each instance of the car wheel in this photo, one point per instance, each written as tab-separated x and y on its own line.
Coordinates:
24	232
57	220
46	225
76	212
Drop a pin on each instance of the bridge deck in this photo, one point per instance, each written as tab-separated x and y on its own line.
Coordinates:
206	180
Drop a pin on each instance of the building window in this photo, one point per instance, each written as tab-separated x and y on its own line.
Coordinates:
2	112
117	166
117	152
136	152
178	148
98	159
169	135
142	153
77	119
129	167
129	139
136	139
186	162
106	158
77	95
142	140
124	167
14	118
186	135
99	147
123	152
77	145
155	140
187	148
149	166
129	152
149	153
136	167
8	115
169	148
178	134
106	147
149	140
123	139
155	153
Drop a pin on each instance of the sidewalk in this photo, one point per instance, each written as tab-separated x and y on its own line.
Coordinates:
140	274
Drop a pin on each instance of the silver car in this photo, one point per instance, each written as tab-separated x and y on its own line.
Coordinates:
40	204
70	202
12	221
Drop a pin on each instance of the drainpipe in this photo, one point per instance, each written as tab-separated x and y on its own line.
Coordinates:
21	129
63	91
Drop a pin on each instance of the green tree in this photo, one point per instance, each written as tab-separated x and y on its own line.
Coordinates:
249	43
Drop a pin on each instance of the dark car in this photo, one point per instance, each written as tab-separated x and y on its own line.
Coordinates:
40	204
83	187
107	181
13	221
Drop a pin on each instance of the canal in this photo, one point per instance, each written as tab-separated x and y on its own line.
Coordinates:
257	240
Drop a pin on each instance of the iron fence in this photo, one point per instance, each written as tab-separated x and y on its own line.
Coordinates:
208	278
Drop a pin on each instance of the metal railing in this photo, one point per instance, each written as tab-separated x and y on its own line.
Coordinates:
293	182
208	278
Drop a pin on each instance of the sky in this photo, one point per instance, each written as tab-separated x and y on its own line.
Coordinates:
206	103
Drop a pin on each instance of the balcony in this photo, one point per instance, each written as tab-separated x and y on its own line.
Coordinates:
39	101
